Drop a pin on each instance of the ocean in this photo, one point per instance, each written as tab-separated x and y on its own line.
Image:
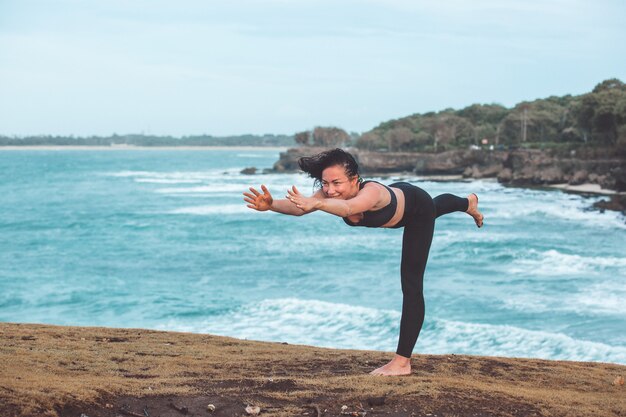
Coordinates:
163	240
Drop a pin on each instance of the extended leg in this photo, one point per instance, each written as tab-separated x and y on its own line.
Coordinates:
449	203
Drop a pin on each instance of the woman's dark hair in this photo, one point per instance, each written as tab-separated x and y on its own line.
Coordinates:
316	164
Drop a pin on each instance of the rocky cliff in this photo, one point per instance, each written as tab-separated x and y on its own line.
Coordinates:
516	167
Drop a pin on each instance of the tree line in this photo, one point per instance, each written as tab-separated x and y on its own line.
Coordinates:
597	118
149	140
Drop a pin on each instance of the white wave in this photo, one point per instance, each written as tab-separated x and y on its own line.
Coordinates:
555	263
321	323
278	190
338	243
177	175
501	340
552	205
166	181
529	303
445	237
602	299
205	189
250	155
298	321
124	174
211	210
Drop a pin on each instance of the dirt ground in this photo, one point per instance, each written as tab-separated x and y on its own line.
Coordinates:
103	372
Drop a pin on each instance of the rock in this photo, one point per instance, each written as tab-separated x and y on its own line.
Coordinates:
253	410
376	401
248	171
476	172
614	203
517	160
445	163
505	175
607	182
579	177
492	170
288	161
520	167
384	162
179	408
619	173
210	408
552	175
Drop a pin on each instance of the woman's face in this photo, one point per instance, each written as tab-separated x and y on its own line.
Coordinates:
336	184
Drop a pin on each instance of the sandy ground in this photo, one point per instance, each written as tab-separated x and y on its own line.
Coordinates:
68	371
140	148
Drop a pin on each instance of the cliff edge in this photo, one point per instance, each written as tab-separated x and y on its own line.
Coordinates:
72	371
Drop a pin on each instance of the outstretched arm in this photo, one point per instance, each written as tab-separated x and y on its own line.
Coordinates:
285	207
265	201
365	200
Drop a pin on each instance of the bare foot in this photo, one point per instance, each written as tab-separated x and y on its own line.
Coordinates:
399	365
472	210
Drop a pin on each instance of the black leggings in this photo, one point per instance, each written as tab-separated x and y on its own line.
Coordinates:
420	212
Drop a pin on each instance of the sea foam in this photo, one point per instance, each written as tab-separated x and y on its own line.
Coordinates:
321	323
208	210
553	262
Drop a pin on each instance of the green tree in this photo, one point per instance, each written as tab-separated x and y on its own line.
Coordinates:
370	141
400	139
601	114
329	136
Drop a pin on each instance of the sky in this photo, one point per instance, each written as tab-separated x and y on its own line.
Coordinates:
188	67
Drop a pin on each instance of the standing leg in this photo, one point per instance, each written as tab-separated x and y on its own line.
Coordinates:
416	240
419	225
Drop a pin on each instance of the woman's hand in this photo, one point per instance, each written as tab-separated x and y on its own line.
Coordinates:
258	201
306	204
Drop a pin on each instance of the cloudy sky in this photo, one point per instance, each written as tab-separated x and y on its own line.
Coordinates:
185	67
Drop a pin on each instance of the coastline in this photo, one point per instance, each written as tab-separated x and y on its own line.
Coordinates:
615	204
587	175
139	148
55	371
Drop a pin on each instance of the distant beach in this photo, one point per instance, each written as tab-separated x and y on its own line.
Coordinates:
586	189
139	148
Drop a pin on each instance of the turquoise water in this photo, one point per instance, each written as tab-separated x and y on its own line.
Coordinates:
163	240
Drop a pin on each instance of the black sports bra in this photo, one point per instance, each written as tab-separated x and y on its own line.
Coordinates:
380	217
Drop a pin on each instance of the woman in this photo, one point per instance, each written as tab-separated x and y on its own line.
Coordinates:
371	204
